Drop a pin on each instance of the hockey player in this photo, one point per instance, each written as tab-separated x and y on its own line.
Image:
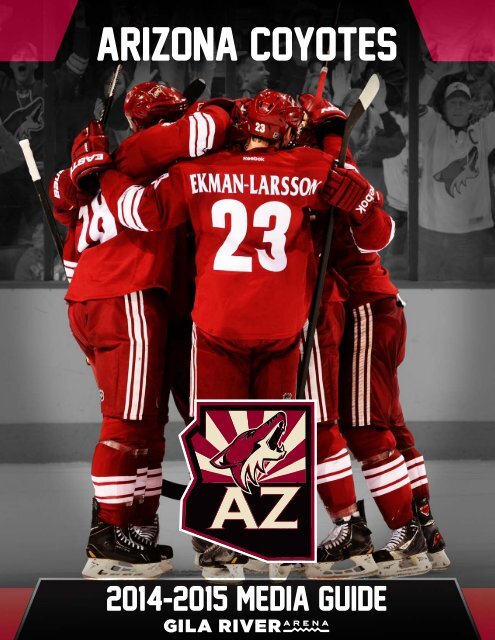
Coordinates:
254	247
373	347
253	289
118	311
350	539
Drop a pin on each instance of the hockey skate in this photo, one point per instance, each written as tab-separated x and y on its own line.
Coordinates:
112	553
405	554
217	562
147	536
434	539
275	570
349	540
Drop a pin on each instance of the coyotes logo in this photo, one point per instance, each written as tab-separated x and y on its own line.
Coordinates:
456	175
247	455
26	120
252	467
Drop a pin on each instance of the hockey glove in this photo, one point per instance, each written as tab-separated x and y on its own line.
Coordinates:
65	195
323	114
347	190
89	153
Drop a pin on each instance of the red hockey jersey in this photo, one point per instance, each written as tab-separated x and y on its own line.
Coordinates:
255	260
104	259
354	251
366	277
145	155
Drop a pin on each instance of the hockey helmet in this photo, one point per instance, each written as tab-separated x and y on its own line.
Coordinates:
149	102
271	114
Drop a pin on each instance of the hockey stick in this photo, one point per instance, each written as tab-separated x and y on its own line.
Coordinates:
365	99
42	195
324	69
194	90
173	490
111	93
38	183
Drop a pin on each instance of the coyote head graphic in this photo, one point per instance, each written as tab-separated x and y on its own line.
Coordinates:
247	455
26	120
458	172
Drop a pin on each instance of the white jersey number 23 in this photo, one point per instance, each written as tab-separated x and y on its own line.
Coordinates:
226	260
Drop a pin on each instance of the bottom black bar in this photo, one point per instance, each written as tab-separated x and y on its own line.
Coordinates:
173	608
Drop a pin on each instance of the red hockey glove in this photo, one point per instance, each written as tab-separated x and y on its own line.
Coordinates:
347	190
323	112
237	109
89	153
64	194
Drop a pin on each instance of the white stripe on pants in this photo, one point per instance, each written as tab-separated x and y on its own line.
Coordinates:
361	366
314	383
138	356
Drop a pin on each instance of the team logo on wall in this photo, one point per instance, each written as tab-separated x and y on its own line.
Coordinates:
252	478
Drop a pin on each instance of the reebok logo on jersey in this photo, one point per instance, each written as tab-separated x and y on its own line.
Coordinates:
362	208
252	469
254	158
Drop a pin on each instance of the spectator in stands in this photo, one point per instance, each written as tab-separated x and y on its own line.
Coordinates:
10	152
454	208
376	135
478	73
313	78
483	100
22	112
396	176
290	77
392	72
252	77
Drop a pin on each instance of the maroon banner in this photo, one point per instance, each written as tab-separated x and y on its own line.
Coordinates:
456	30
32	30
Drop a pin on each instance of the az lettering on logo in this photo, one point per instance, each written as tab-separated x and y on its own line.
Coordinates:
234	495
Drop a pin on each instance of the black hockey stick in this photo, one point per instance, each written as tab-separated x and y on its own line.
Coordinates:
173	490
111	93
194	90
42	195
36	178
365	99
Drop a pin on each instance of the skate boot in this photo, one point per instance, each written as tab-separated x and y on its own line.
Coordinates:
217	562
434	539
405	554
349	540
112	553
147	536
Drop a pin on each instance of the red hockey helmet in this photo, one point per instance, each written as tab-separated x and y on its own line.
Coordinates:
149	102
271	114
